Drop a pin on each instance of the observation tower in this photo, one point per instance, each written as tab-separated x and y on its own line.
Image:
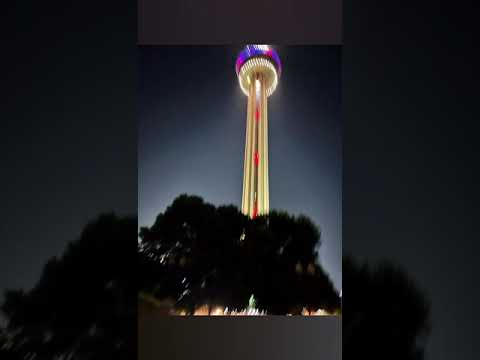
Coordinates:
258	69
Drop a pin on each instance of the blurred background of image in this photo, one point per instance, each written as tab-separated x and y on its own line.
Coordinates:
409	90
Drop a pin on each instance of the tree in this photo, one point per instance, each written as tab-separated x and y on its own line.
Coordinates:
84	302
385	314
196	253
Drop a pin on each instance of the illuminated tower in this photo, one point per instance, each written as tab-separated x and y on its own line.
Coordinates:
258	69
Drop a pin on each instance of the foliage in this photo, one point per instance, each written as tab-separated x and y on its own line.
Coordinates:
385	314
83	306
196	253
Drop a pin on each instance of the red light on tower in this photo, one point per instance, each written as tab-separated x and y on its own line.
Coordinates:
255	209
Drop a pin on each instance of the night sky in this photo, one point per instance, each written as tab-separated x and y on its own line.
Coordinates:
68	148
191	118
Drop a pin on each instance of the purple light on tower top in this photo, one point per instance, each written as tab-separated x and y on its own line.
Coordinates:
258	50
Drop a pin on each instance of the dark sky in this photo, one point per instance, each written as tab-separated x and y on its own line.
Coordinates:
68	146
191	118
411	175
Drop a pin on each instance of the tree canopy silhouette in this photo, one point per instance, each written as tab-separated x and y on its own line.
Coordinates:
385	315
84	302
196	253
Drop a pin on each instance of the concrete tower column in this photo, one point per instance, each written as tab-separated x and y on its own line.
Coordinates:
258	68
255	199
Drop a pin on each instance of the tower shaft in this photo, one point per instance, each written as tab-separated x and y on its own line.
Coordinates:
255	199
